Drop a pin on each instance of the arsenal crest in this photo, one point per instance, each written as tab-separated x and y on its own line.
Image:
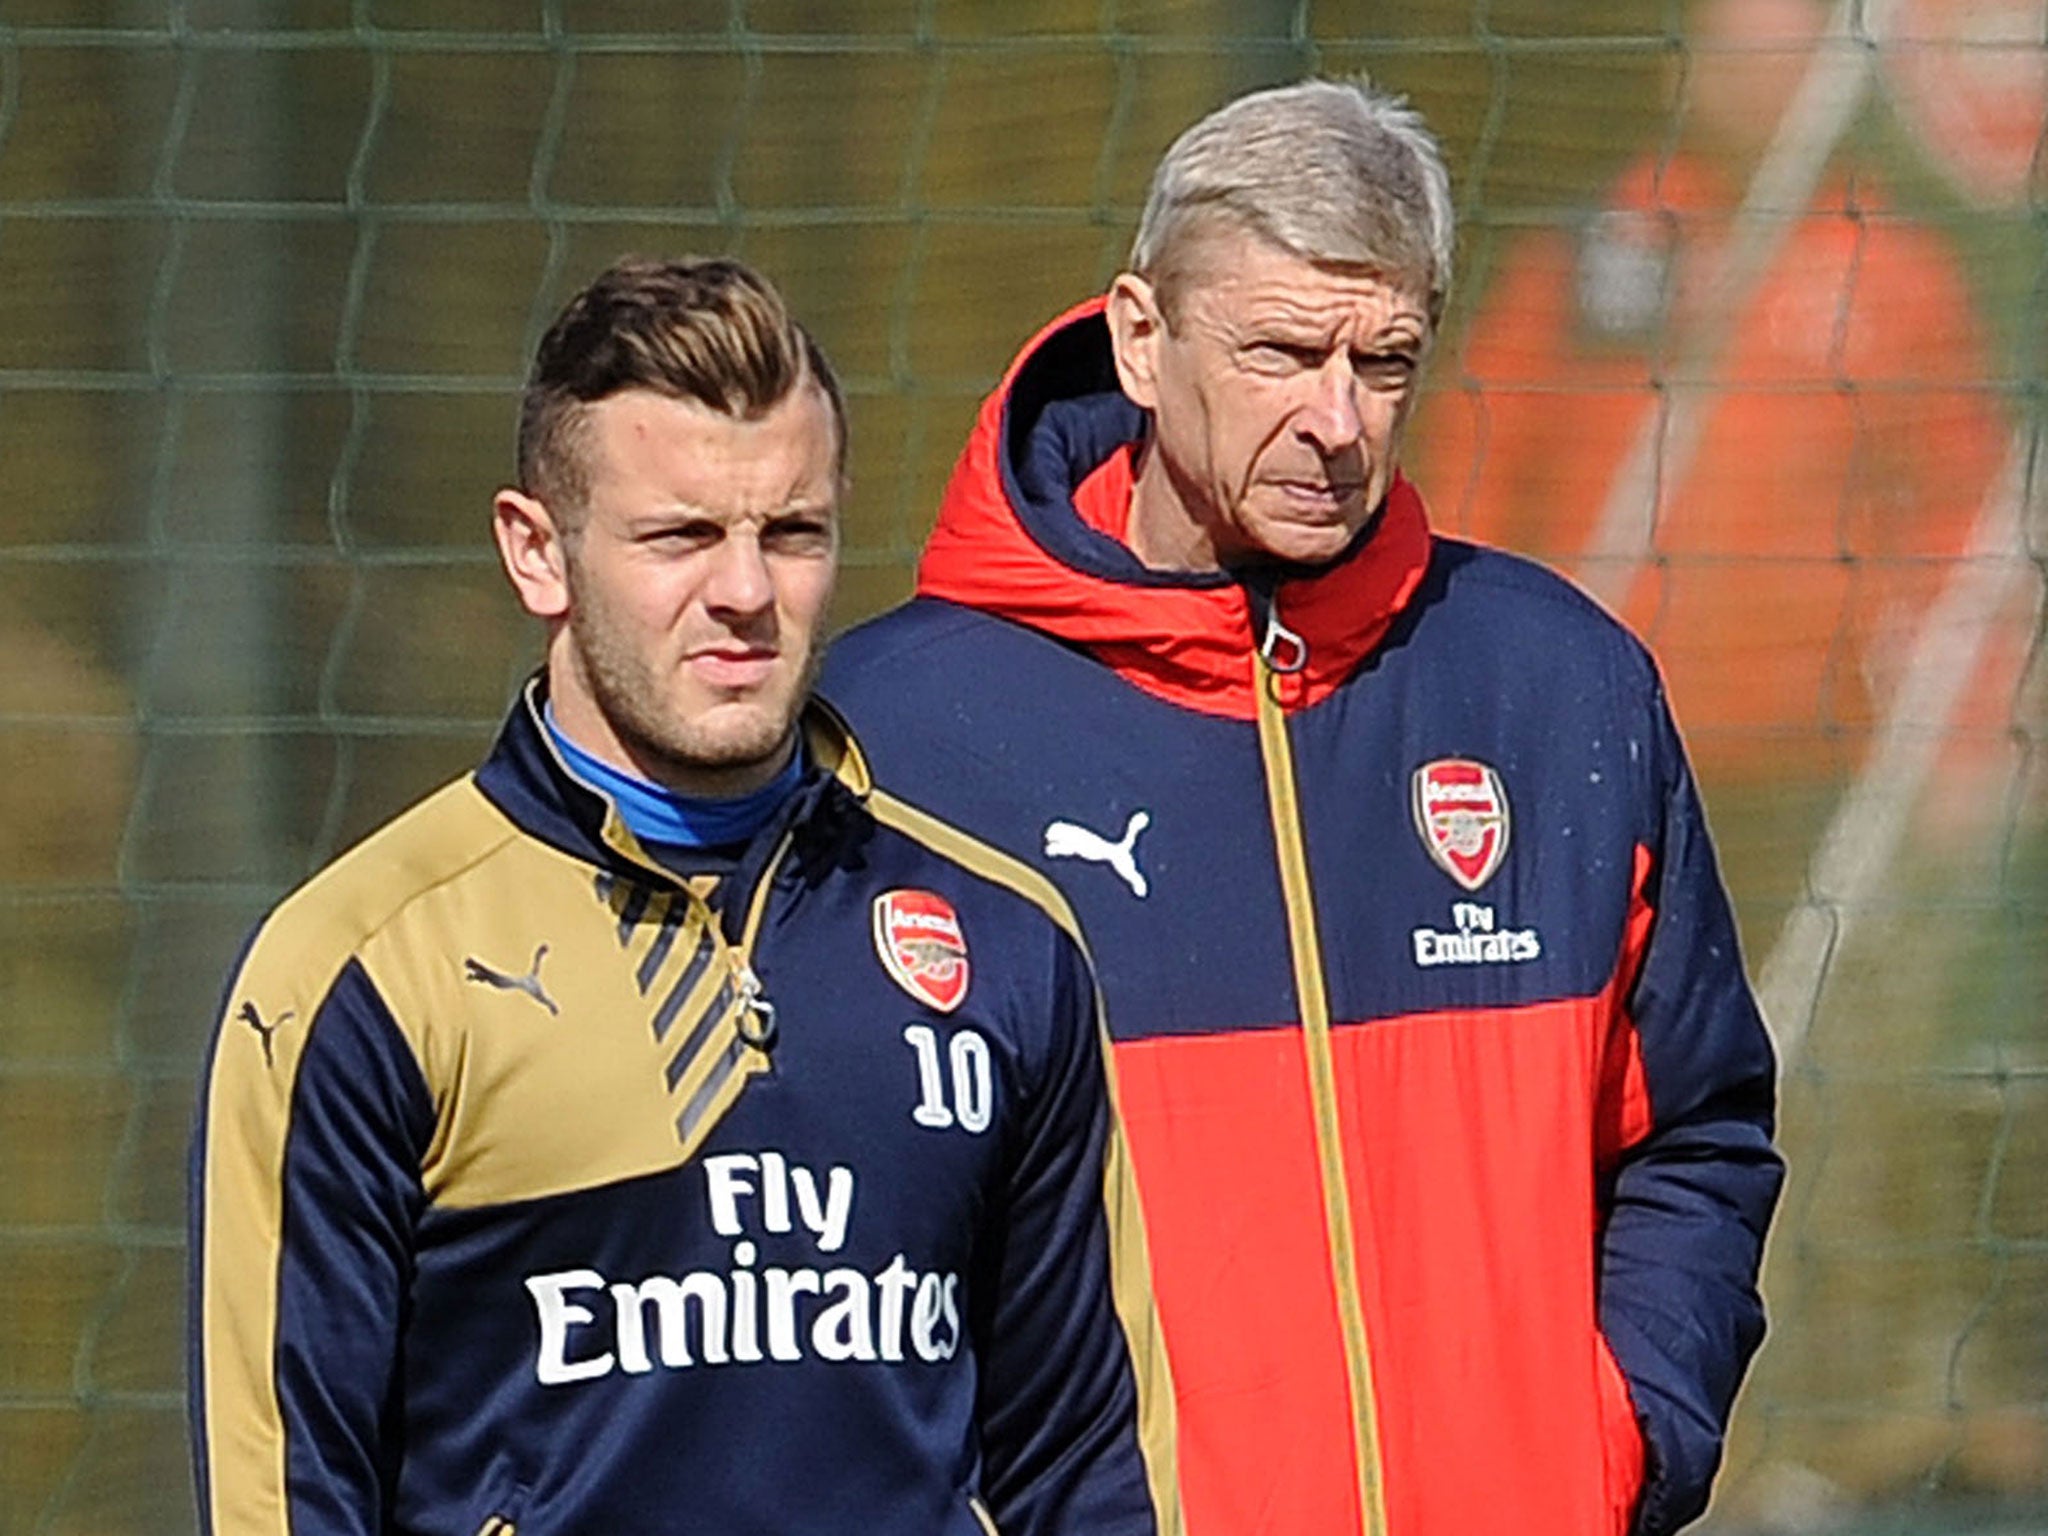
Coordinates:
1461	813
917	934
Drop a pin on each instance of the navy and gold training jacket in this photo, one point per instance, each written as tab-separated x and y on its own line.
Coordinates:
539	1189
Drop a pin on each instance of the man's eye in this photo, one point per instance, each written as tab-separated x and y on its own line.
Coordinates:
1384	370
798	536
1281	357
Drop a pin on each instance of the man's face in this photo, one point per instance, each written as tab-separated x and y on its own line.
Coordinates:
1279	392
697	578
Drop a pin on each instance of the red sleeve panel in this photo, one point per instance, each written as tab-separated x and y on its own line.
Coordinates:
1623	1115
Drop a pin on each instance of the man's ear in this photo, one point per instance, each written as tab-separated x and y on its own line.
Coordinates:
530	547
1136	327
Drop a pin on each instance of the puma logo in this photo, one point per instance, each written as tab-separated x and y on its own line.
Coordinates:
265	1032
1066	840
474	969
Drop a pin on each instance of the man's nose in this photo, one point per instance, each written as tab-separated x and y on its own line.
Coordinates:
738	581
1329	416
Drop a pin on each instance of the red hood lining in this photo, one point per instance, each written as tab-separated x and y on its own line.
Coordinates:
1029	529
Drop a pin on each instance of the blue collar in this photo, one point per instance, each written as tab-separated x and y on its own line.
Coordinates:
663	819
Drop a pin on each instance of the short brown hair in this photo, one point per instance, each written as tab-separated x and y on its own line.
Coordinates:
708	329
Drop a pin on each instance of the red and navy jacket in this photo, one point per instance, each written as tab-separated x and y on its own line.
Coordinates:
540	1186
1450	1106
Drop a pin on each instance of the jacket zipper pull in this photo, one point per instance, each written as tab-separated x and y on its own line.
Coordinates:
1284	651
756	1021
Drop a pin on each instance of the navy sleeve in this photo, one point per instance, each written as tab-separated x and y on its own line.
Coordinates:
306	1195
1683	1241
1057	1397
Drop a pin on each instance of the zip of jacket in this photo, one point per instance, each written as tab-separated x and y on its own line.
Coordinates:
727	1027
1278	653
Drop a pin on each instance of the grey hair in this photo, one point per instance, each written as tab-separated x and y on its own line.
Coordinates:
1334	171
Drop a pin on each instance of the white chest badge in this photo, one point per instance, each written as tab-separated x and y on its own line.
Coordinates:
1461	815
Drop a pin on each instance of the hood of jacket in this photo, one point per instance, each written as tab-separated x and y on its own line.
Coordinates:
1031	528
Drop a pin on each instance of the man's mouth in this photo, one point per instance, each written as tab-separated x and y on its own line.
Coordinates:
734	666
1322	493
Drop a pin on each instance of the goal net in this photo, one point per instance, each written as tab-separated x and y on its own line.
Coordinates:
1750	335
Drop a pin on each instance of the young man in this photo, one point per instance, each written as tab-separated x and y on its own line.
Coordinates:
661	1128
1449	1105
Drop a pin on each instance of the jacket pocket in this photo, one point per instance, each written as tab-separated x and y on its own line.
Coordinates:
1621	1442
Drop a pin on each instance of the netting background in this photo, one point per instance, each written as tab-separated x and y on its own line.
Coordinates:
269	272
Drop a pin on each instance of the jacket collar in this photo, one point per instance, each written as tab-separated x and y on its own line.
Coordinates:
1031	529
526	777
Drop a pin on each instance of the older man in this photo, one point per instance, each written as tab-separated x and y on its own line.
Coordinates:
1450	1107
661	1128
